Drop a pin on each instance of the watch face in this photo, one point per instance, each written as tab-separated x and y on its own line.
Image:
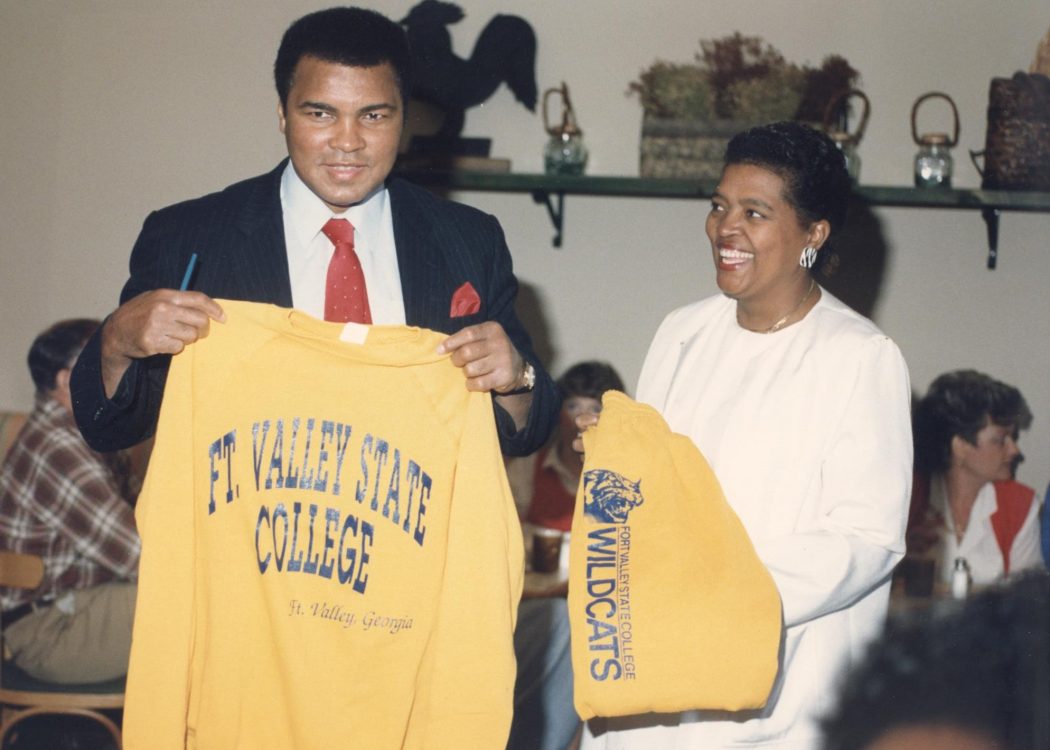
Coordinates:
528	380
530	375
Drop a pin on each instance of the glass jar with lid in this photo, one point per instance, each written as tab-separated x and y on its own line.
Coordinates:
565	152
933	163
848	147
836	125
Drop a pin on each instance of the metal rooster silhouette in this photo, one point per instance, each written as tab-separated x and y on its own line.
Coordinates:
505	52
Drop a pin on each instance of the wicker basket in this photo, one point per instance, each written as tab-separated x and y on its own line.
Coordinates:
685	148
1017	144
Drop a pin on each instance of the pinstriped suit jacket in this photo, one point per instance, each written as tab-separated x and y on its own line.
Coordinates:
238	235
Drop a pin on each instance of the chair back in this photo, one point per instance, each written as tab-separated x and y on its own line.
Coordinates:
22	696
11	423
20	571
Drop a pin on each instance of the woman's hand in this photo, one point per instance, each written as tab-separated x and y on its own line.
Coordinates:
582	423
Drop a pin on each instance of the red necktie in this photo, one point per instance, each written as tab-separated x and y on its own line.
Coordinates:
346	298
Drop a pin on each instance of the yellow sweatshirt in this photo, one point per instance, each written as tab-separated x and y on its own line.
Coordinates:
331	554
670	609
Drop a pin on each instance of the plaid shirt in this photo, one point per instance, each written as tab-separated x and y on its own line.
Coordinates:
60	500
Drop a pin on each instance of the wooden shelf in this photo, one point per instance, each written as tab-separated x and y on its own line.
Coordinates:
638	187
1004	200
552	189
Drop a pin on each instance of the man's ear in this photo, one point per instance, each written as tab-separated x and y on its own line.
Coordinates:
280	116
62	378
60	392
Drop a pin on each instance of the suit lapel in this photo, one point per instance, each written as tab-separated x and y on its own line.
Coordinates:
265	258
417	259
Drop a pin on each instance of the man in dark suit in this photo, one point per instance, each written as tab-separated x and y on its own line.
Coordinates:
341	82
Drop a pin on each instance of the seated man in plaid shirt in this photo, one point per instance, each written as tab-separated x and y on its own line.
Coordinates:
73	507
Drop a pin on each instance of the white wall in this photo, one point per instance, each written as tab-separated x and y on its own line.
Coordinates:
115	107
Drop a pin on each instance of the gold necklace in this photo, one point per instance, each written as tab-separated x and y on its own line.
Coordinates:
780	323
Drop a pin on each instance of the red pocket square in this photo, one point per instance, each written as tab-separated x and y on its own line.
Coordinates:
465	301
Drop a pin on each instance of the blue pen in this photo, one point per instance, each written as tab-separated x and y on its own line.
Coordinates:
189	272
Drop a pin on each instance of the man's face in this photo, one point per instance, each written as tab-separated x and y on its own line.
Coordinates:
342	126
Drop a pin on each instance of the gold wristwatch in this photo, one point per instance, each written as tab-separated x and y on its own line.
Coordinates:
528	377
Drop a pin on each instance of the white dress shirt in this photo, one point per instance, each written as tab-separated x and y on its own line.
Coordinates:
979	546
310	251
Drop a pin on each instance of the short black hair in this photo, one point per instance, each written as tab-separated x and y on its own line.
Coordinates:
983	666
57	349
355	37
589	379
810	164
961	403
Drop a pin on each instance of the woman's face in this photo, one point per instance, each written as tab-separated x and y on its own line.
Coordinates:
577	406
756	238
991	457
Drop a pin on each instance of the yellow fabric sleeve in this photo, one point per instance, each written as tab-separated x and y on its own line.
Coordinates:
670	608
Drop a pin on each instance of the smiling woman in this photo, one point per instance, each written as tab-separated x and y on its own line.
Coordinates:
800	406
757	240
771	215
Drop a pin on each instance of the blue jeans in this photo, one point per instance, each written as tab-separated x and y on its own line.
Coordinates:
544	717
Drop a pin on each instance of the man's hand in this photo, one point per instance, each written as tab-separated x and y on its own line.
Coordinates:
159	322
487	357
491	363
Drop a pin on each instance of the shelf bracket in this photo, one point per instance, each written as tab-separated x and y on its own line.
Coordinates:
556	214
991	221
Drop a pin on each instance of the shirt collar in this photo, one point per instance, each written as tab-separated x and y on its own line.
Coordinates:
52	411
984	505
306	213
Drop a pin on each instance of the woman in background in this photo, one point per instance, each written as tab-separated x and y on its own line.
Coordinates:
966	503
800	405
544	483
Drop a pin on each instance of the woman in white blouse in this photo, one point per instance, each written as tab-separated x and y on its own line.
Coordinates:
800	405
966	504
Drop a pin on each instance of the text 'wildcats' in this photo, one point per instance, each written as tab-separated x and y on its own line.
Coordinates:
608	609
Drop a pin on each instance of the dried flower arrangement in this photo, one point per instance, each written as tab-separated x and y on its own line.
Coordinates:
741	78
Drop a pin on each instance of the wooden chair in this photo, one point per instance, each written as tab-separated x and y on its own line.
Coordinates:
10	425
22	696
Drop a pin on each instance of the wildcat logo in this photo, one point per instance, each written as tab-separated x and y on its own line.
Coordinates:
609	497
